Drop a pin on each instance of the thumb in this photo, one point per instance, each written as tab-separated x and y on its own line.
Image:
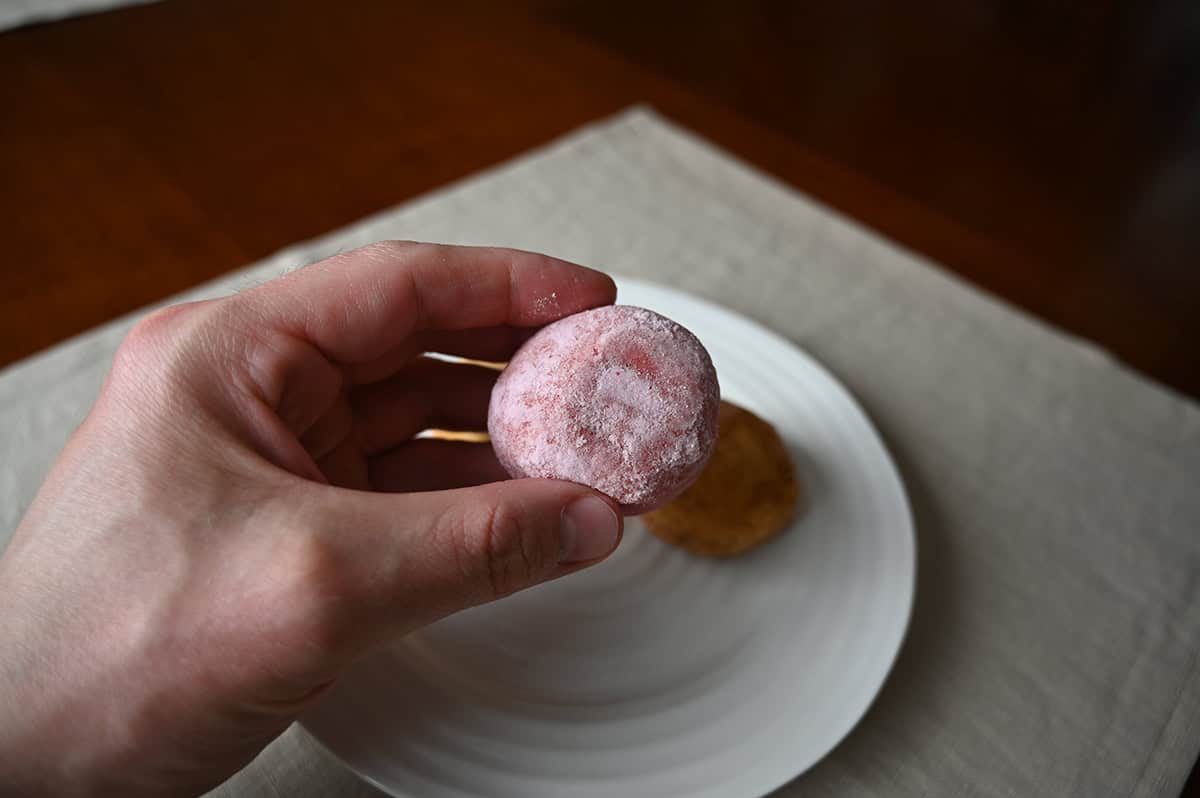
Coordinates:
425	555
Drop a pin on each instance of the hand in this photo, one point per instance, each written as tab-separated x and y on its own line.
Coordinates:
232	523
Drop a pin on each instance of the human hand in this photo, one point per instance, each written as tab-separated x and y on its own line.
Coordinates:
232	523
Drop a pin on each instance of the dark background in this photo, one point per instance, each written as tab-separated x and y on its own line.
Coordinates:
1048	151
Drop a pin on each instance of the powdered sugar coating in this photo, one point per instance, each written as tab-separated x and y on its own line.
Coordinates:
618	398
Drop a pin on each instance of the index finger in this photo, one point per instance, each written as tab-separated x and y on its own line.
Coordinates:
360	304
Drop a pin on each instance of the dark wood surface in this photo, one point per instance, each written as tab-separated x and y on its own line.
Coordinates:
1046	151
1049	152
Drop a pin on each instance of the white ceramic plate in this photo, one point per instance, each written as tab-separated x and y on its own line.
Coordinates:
659	673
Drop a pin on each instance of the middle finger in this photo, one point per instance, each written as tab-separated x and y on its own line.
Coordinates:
426	393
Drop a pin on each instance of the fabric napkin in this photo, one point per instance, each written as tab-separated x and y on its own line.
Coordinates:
14	13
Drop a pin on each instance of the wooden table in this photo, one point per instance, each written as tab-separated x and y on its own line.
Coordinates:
1048	152
1042	152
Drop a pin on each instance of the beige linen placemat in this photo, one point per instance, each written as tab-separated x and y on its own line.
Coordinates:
1055	637
15	13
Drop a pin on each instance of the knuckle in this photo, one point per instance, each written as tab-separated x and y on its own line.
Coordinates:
389	249
148	333
153	339
141	365
511	549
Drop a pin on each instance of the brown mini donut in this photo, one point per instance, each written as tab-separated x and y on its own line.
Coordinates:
746	494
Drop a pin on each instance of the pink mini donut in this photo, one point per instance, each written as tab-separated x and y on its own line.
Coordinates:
618	398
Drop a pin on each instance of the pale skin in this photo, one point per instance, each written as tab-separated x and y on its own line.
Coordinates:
244	512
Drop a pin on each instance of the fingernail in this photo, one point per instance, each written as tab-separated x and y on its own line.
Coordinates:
589	529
